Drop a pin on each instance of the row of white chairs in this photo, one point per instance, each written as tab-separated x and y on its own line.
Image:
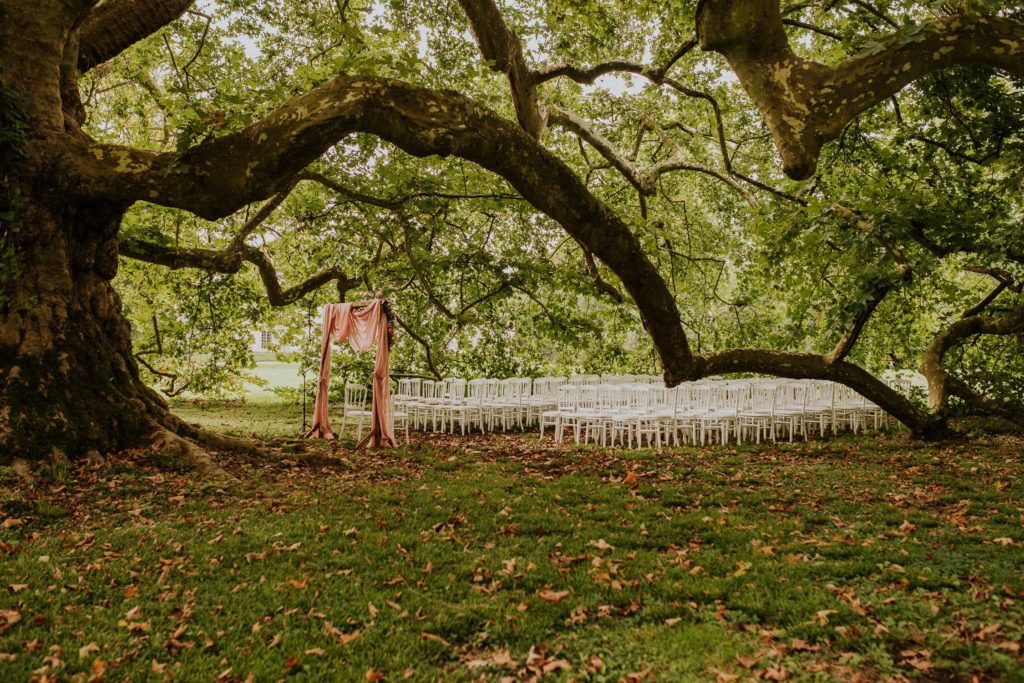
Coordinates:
487	404
631	410
708	411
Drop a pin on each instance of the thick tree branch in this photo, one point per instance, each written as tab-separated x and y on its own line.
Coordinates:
502	47
230	261
221	175
807	104
116	25
939	380
814	366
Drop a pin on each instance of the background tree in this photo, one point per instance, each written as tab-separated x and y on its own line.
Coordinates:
665	187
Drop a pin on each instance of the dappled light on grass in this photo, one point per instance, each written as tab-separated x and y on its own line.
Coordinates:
504	557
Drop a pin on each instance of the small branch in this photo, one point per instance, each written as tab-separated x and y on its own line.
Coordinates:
872	10
422	342
589	75
481	299
811	27
959	388
870	227
983	304
396	203
260	217
879	291
173	376
345	191
422	276
621	163
229	261
602	286
645	181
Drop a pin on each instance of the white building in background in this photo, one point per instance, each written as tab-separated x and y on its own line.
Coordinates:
261	340
265	340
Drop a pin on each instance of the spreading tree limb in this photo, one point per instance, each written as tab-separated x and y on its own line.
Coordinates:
806	103
230	260
114	26
217	177
939	380
503	49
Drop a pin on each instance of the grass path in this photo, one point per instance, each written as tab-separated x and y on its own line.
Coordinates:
502	558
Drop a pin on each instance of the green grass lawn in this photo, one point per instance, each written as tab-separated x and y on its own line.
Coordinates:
504	558
274	373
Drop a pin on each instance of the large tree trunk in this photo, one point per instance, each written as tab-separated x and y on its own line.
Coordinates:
68	379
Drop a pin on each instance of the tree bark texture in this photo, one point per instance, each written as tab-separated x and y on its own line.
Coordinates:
67	375
68	380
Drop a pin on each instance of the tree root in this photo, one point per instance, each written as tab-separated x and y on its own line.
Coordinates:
252	450
169	444
222	442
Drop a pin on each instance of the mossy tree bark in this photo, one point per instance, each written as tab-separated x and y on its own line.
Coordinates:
67	375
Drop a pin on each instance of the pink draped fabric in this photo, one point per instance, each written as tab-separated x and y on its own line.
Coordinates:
362	328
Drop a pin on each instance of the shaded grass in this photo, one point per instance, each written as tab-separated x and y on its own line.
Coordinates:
856	559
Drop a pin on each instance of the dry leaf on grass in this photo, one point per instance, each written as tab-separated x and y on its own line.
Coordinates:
549	595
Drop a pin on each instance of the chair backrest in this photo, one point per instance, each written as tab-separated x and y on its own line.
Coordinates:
792	396
820	394
454	389
408	387
846	397
427	388
588	397
475	387
355	397
762	397
514	389
608	397
482	389
549	387
568	397
700	397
